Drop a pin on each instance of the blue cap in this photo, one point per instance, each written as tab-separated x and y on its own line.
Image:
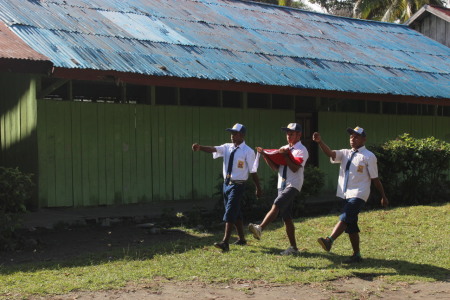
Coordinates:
292	127
237	128
358	130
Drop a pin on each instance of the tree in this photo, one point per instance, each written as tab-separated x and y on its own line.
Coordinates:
389	10
380	10
290	3
343	8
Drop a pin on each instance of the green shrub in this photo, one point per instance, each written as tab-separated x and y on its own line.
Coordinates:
15	189
413	171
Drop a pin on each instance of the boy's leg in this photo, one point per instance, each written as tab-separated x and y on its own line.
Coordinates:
240	229
227	234
270	216
354	240
338	229
290	231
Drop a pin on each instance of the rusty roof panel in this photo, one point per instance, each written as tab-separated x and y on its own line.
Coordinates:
12	47
233	40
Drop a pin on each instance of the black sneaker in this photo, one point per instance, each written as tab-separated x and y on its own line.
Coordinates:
240	243
325	243
353	259
222	245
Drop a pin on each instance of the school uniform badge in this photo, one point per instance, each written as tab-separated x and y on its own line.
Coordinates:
240	164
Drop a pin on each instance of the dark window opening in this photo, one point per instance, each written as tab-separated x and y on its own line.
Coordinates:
305	104
96	91
196	97
390	108
352	106
282	101
137	94
231	99
408	109
165	95
258	100
373	107
427	110
61	93
444	111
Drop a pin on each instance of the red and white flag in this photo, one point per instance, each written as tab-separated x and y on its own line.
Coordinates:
275	156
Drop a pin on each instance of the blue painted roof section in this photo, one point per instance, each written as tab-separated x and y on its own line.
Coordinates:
233	40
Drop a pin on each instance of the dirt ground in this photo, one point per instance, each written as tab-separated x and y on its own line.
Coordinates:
352	288
63	244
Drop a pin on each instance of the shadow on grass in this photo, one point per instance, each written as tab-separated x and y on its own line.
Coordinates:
79	255
401	267
93	245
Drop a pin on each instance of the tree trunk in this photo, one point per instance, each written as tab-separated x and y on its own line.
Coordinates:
357	9
284	2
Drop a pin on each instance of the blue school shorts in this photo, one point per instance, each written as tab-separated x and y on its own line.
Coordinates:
232	195
349	216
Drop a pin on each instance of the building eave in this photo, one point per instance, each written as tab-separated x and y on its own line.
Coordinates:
168	81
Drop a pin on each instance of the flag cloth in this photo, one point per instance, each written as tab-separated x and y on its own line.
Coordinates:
275	156
278	158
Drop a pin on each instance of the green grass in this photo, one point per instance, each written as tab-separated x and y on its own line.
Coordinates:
403	244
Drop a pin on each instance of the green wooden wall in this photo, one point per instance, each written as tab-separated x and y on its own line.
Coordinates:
18	112
103	153
379	128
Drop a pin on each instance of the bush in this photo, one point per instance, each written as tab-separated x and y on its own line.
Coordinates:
15	189
256	209
413	171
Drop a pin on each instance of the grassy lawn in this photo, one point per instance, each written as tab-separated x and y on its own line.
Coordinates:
402	244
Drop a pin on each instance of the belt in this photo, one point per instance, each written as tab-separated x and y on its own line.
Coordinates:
237	182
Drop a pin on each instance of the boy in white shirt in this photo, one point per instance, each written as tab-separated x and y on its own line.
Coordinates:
238	160
290	182
358	169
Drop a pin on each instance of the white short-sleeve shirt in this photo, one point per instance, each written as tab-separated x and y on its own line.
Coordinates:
363	169
243	160
294	180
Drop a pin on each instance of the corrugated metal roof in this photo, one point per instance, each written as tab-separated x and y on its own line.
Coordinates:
12	47
233	41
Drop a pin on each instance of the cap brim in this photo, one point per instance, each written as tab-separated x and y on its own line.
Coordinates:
288	129
351	131
234	130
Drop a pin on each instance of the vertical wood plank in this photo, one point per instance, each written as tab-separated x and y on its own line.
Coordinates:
176	130
42	153
50	155
149	176
140	154
60	157
157	159
77	154
186	162
118	154
132	153
101	150
168	138
126	153
93	153
68	157
110	153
